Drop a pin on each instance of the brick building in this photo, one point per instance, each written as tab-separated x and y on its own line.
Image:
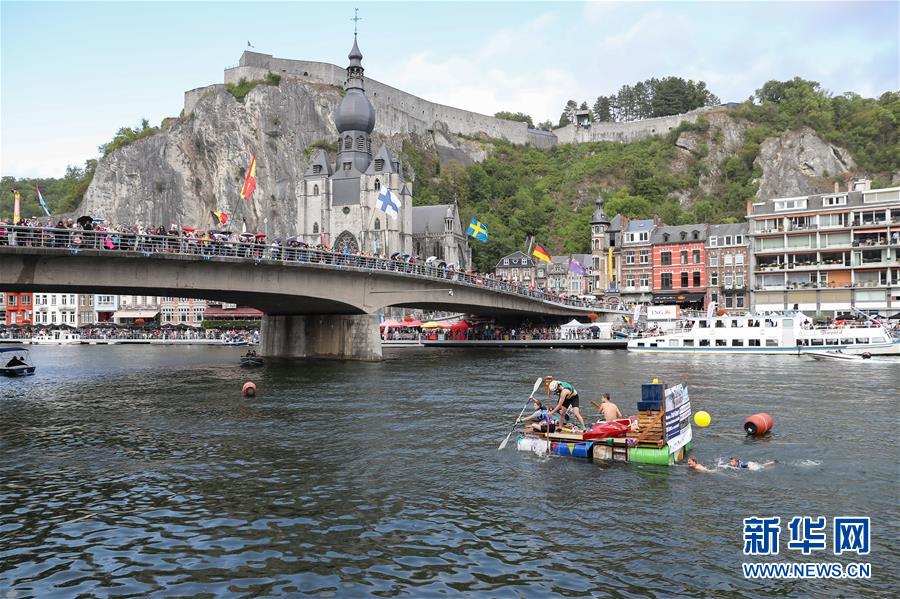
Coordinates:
679	265
728	266
19	308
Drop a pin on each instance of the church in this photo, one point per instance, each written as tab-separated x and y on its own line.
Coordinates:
363	202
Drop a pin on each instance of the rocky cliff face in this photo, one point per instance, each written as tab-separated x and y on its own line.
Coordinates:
198	163
798	163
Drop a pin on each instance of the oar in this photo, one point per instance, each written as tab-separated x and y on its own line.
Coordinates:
537	384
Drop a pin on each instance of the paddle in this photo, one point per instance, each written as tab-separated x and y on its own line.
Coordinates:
537	384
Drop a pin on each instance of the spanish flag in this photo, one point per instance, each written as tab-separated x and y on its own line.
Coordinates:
250	181
540	253
221	217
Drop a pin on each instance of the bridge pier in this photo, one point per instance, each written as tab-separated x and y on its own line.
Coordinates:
341	337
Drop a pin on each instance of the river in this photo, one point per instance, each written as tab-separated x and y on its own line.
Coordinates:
136	471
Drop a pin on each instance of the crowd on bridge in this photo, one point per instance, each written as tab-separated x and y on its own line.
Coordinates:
111	332
87	233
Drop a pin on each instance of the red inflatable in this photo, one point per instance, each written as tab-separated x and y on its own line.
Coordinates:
606	430
758	424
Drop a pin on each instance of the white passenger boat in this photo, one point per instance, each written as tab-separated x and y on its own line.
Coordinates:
836	355
57	337
774	333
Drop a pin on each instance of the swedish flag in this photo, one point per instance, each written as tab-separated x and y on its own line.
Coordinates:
478	230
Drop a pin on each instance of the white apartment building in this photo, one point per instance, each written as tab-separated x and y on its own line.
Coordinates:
56	309
179	310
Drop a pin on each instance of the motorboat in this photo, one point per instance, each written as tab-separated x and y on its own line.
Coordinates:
15	361
837	355
250	359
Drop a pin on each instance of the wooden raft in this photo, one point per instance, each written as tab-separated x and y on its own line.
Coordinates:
651	428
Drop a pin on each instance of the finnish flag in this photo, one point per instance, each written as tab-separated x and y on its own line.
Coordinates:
389	203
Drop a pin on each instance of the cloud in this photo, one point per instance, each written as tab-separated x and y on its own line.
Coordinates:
528	35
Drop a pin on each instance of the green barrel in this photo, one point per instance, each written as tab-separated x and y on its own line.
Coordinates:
651	455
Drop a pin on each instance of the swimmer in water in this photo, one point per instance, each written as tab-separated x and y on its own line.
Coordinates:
692	463
737	463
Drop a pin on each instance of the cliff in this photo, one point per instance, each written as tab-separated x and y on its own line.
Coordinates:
197	163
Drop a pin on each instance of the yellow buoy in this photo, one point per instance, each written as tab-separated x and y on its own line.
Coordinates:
702	419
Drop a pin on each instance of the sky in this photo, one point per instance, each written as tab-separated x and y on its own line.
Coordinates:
73	73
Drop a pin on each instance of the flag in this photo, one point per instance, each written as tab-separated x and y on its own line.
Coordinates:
540	253
250	181
576	267
221	217
387	203
478	230
711	309
324	241
41	200
16	215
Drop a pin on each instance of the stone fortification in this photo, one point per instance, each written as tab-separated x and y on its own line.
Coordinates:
626	132
398	111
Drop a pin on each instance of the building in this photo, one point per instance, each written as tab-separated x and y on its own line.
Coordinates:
86	312
827	253
180	310
568	275
56	309
679	265
2	307
517	268
19	308
600	272
105	307
362	202
728	266
137	309
232	314
635	256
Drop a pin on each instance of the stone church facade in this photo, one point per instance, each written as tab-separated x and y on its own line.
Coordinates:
344	202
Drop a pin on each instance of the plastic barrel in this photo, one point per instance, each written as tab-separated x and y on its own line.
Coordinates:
758	424
651	455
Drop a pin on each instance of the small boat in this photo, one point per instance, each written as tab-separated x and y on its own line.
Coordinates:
236	343
15	361
250	359
837	355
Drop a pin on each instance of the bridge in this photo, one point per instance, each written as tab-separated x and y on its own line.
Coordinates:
317	303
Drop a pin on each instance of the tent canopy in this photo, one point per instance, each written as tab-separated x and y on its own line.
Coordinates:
574	324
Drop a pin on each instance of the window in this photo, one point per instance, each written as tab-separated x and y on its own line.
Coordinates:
739	259
315	190
629	257
665	258
696	256
714	297
348	143
704	343
738	240
379	164
629	280
726	260
684	256
728	300
347	166
644	236
714	260
645	256
645	280
315	227
666	280
696	278
739	302
317	169
506	262
361	143
727	281
737	343
377	224
684	279
714	279
837	200
797	204
13	300
752	342
721	343
713	242
377	184
739	281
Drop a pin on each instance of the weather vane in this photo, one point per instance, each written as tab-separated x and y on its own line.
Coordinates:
356	19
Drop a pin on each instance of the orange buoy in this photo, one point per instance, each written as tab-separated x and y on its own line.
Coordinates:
758	424
249	389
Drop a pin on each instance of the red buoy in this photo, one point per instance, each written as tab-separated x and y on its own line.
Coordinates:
249	389
758	424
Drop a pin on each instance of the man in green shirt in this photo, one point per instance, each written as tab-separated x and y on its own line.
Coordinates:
568	398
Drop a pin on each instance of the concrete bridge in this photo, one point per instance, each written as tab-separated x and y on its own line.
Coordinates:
317	303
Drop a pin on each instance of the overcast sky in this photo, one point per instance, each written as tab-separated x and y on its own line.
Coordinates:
72	73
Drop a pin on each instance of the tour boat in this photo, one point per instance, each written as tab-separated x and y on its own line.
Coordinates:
57	337
15	361
660	434
772	333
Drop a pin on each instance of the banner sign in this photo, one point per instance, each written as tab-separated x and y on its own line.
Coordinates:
663	312
678	417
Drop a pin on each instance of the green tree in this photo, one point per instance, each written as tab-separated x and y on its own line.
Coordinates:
602	112
515	116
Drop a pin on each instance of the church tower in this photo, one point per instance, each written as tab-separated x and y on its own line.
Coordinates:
599	249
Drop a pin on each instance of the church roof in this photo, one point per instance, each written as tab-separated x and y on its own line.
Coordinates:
355	55
387	166
319	159
517	259
599	217
429	219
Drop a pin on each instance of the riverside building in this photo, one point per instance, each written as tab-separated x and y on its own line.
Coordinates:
728	267
826	253
679	265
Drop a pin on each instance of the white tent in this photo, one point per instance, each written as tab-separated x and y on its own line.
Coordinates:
571	327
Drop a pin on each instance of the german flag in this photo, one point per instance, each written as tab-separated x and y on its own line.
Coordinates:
541	254
250	181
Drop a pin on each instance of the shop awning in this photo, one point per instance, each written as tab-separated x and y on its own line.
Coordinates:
672	298
135	314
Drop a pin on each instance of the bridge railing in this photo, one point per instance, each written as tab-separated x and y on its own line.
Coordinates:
252	249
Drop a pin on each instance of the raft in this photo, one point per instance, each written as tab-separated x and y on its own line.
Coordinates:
663	436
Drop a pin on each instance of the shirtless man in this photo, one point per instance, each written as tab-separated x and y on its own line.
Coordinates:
609	409
692	463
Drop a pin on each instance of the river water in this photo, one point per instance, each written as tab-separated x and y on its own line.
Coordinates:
136	471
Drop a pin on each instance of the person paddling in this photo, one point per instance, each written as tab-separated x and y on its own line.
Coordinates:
568	398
